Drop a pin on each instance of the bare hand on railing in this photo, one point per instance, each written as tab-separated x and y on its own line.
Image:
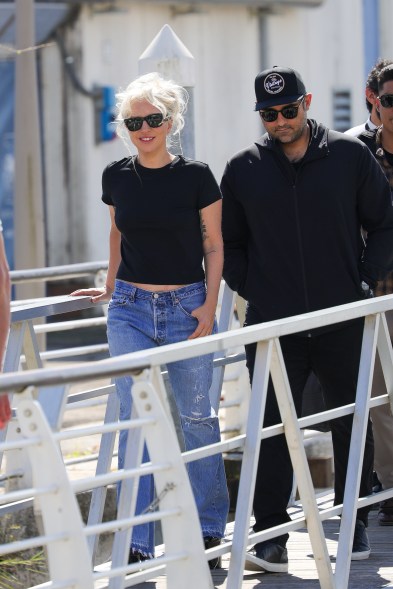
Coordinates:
5	410
97	295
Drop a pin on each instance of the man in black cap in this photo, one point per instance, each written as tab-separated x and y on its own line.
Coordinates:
294	204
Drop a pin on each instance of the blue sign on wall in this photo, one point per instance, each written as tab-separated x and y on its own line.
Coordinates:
7	160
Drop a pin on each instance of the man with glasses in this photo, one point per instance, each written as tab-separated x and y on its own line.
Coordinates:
371	92
294	203
380	142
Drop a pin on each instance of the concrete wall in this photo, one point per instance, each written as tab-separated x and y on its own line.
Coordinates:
230	44
321	43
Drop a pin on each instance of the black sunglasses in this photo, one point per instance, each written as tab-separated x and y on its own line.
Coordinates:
288	112
135	123
386	100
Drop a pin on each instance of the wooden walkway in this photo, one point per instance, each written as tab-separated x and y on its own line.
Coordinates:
374	573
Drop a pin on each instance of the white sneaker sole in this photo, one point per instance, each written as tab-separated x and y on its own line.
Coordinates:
253	563
360	555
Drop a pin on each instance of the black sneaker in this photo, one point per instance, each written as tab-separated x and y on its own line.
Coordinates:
211	542
361	545
385	514
377	488
136	556
268	557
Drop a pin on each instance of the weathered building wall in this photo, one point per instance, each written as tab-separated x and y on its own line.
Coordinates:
230	44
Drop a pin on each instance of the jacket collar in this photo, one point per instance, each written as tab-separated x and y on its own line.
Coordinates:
318	141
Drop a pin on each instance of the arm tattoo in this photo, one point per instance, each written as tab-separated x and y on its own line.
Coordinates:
203	228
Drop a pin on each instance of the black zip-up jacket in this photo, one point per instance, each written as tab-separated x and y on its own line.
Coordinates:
292	237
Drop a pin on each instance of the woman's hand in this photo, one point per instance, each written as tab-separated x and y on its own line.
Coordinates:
205	315
5	410
97	295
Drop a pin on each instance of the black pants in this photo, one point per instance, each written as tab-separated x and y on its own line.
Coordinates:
334	357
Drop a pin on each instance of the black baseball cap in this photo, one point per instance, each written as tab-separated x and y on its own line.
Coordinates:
278	85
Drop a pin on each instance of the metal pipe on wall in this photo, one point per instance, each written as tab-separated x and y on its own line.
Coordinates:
371	47
28	196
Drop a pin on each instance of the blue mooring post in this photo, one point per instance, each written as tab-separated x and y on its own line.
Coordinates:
168	56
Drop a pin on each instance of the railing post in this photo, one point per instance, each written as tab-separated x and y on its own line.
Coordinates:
294	440
249	464
68	557
356	450
181	532
224	324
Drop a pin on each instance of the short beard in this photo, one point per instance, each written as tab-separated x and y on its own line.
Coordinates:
296	135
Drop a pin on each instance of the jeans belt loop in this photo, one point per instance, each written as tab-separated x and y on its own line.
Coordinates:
174	298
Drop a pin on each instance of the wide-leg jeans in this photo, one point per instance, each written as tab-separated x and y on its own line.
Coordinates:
139	319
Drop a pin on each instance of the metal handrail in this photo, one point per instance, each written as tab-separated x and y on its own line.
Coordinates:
145	359
57	272
142	364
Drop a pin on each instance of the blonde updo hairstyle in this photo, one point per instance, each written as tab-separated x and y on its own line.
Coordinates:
169	98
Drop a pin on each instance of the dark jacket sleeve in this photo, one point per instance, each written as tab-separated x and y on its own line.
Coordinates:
235	234
376	216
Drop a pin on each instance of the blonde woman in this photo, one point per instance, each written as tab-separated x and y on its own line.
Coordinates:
165	213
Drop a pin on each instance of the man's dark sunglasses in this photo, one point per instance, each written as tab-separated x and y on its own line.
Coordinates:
135	123
288	112
386	100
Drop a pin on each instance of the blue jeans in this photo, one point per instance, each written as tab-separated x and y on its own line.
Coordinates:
139	319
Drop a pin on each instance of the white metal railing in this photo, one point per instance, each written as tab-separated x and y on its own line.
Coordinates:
57	272
97	270
145	366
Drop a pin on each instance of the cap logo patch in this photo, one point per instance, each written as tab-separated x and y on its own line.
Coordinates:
274	83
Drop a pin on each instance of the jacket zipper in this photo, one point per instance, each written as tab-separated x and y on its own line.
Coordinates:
303	269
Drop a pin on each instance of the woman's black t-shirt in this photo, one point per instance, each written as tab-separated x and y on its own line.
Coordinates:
157	214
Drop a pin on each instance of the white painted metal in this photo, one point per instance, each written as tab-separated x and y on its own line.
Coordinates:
192	572
68	560
151	382
30	347
57	272
224	324
249	464
356	451
294	438
158	356
21	336
168	55
107	445
386	356
127	502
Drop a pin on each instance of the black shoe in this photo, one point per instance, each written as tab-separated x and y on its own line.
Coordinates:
211	542
268	557
361	545
385	514
136	556
376	484
377	488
